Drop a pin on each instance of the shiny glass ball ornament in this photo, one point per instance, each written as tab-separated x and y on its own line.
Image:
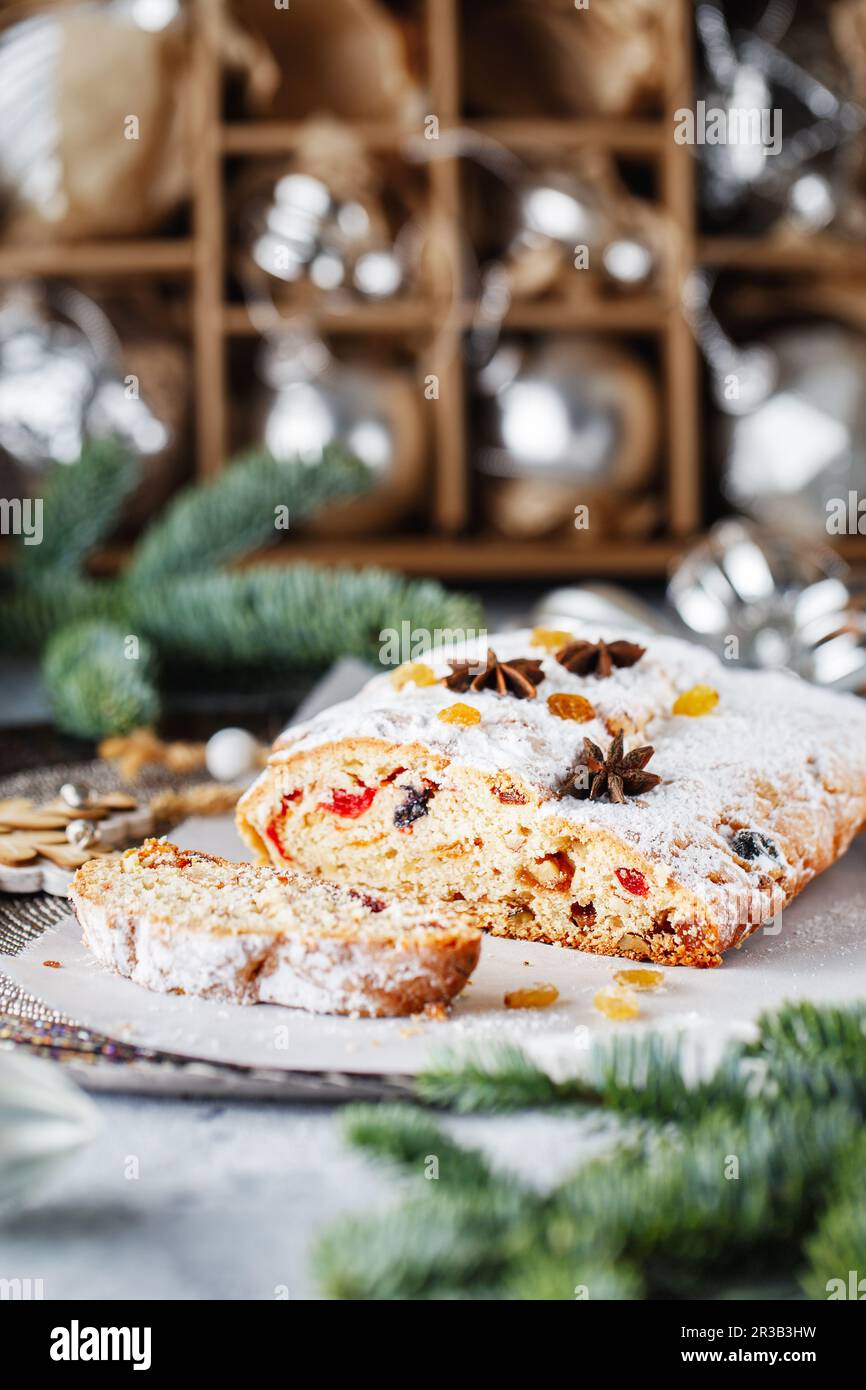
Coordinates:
63	381
797	443
764	598
83	834
294	229
307	404
232	755
569	410
76	794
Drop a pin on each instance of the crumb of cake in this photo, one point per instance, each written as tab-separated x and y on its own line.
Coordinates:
435	1013
539	996
53	964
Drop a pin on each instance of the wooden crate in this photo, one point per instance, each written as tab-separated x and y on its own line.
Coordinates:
452	545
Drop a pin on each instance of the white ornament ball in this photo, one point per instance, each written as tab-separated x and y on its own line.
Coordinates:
231	754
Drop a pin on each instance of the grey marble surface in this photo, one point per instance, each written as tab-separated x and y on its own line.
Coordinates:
227	1199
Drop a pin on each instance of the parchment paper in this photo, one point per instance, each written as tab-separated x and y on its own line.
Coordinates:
819	953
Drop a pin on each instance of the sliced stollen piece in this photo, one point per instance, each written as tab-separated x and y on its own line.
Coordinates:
188	923
503	783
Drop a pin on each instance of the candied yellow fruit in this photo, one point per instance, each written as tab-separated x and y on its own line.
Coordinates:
639	979
459	714
571	707
701	699
532	997
616	1004
550	638
414	672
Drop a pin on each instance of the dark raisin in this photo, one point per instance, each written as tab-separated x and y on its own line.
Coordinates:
751	844
583	914
372	904
414	807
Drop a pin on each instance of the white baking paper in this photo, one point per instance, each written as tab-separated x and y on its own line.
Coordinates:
819	953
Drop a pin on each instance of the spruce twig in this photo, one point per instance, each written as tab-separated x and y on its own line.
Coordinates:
81	506
758	1163
95	686
207	526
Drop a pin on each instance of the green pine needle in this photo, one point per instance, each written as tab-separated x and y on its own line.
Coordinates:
302	616
759	1166
208	525
98	681
81	505
407	1137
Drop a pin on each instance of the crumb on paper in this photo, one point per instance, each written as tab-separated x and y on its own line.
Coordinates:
53	964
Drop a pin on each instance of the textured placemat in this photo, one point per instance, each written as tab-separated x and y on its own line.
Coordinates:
102	1063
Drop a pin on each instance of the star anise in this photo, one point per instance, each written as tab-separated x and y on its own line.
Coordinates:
518	677
598	658
618	774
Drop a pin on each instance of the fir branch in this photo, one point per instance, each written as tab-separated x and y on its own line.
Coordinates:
407	1137
301	616
81	505
208	525
30	612
836	1250
440	1246
94	687
738	1168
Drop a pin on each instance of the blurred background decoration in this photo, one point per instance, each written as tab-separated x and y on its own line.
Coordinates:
457	242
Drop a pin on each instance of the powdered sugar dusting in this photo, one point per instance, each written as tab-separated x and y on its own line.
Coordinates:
774	748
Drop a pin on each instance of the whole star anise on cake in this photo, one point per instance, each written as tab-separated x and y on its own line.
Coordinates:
517	677
618	774
598	658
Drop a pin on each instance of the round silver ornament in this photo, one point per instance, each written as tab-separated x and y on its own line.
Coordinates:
765	598
76	794
295	229
83	834
797	448
62	382
570	422
310	400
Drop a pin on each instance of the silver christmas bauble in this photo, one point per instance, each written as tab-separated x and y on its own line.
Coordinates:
375	415
295	229
763	597
62	382
796	444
